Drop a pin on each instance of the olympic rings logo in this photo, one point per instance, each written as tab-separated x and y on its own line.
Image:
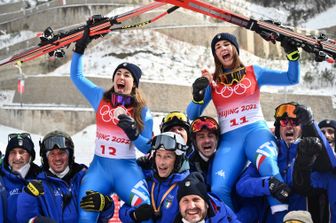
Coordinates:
112	114
239	89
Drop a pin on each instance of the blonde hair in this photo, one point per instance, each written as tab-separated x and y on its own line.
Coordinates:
219	66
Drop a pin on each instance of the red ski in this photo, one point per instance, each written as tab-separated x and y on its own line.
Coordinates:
323	48
52	44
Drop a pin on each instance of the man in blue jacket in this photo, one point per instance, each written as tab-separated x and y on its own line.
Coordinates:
17	169
197	205
55	192
288	130
169	155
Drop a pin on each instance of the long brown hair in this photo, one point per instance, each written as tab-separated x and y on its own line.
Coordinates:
139	104
219	66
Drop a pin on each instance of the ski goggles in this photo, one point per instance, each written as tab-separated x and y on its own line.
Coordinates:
57	141
121	99
168	143
232	77
287	110
204	123
19	135
290	121
175	115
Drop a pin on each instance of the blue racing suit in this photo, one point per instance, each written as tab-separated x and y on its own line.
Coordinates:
60	199
244	133
13	184
166	203
114	167
3	201
251	184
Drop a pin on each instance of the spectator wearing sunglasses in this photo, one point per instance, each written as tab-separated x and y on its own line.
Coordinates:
17	169
328	127
169	154
124	123
235	91
54	193
204	136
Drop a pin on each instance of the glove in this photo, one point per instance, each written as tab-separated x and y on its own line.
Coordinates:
278	189
308	150
142	213
95	201
144	162
198	89
290	48
34	188
304	115
129	126
41	219
86	38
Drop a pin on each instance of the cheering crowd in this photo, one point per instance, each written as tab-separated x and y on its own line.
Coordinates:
229	168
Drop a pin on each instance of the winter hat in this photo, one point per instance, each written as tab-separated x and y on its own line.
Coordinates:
193	184
302	216
328	123
224	36
134	69
20	141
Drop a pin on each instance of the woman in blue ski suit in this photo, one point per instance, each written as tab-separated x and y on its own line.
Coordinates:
55	190
14	180
123	122
235	92
163	185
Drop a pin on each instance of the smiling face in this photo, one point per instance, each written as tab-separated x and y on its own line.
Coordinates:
290	132
224	51
206	142
165	162
17	158
58	160
123	81
193	208
329	133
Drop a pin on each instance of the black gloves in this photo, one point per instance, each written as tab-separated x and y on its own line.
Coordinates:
308	150
34	188
142	213
304	115
145	162
86	39
290	48
278	189
198	89
95	201
41	219
129	126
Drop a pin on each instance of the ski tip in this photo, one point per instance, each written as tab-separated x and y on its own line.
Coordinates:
4	61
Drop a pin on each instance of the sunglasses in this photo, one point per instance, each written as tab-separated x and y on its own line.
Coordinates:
168	143
232	77
57	141
19	136
175	115
204	123
290	121
121	99
285	109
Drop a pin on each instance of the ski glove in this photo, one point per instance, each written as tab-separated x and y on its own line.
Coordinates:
308	150
304	115
198	89
34	188
290	48
142	213
145	162
129	126
41	219
95	201
278	189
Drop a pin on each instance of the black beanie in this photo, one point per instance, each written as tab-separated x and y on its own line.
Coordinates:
193	185
20	142
224	36
328	123
134	69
